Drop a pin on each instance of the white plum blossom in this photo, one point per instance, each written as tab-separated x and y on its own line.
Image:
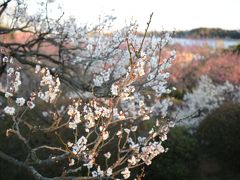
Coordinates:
107	155
9	110
102	78
171	124
72	162
126	173
121	116
30	104
94	174
10	71
115	113
80	146
134	146
53	85
45	113
151	151
146	117
105	135
163	137
74	115
102	111
127	130
37	68
151	131
127	91
14	81
100	172
98	81
119	133
8	94
5	59
90	118
133	161
109	172
69	144
141	140
90	162
114	90
72	125
20	101
17	81
140	71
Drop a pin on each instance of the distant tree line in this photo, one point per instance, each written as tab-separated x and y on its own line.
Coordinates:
201	33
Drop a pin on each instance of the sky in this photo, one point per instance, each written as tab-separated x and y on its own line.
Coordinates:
168	14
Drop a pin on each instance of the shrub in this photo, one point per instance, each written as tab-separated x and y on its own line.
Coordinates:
219	134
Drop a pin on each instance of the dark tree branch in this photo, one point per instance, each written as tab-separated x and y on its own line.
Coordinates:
3	6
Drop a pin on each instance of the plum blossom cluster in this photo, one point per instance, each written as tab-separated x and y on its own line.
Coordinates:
167	39
157	79
138	69
135	106
12	85
49	82
151	151
90	113
145	150
74	115
79	147
13	81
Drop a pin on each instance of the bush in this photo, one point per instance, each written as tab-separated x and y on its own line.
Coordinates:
237	49
180	162
219	134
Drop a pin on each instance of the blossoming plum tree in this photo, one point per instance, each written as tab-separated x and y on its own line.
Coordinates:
204	98
98	95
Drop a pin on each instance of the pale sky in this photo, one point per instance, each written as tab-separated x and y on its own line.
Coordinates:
168	14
